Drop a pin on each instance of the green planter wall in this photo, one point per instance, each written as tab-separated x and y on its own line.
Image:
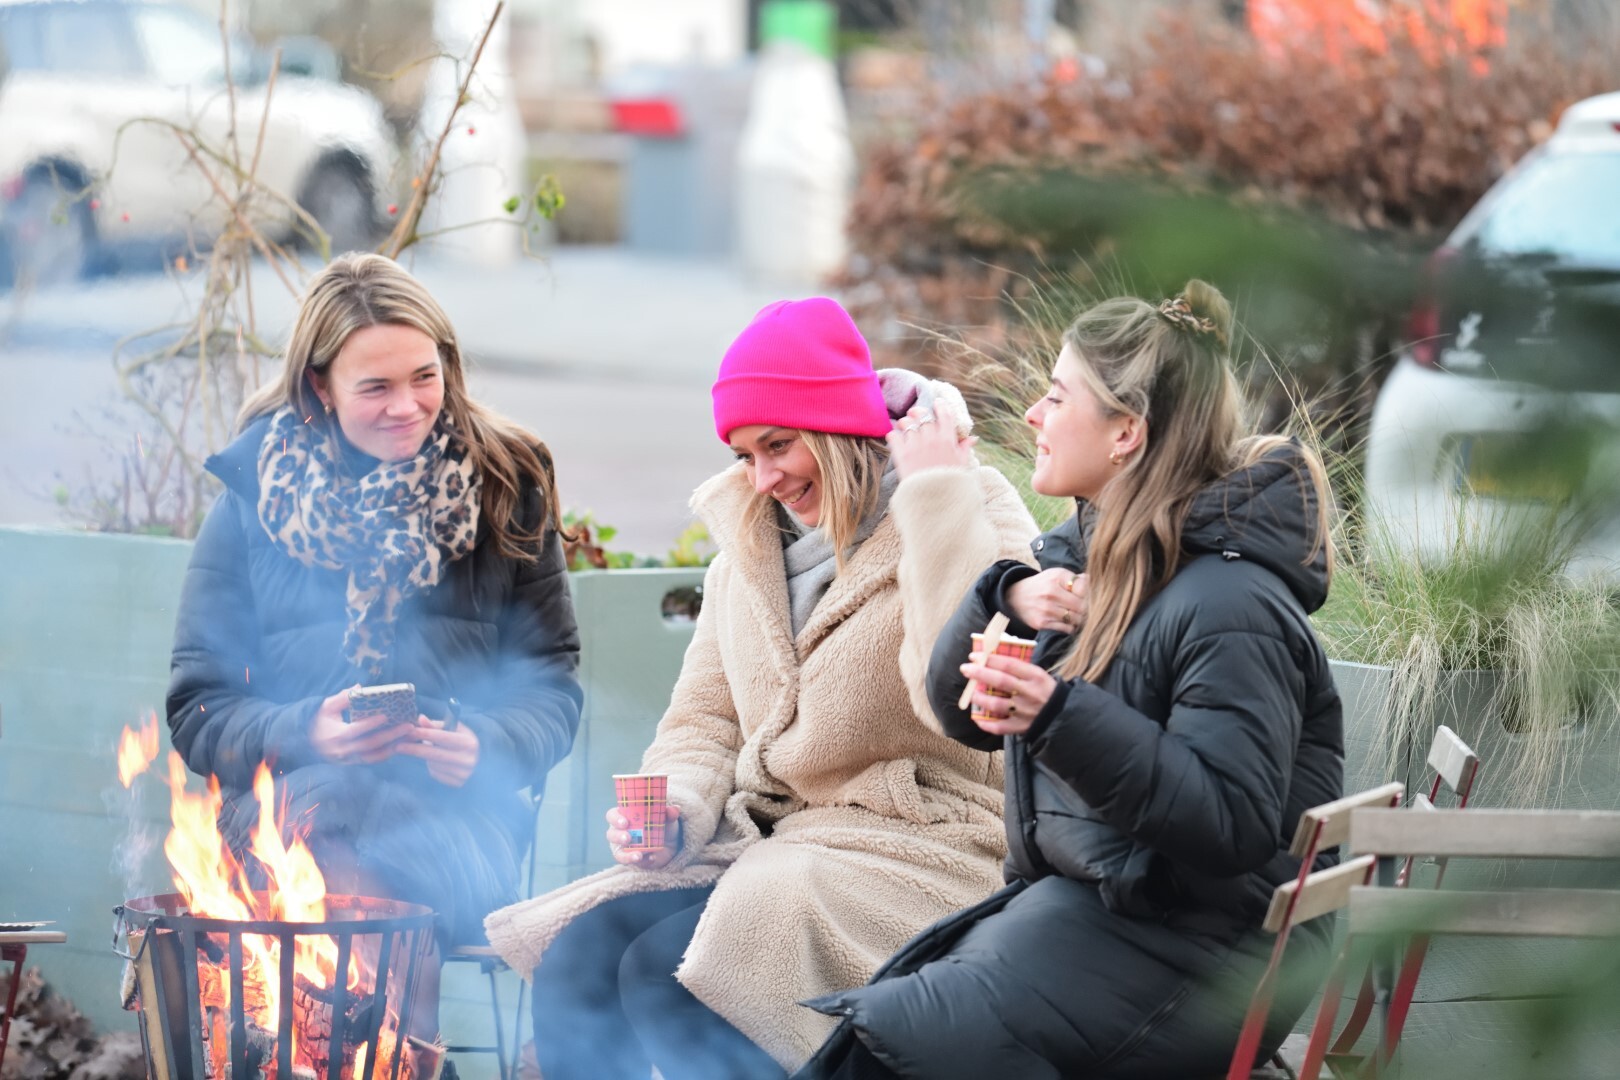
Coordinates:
85	627
86	622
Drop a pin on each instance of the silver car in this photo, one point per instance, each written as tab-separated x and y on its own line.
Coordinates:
90	164
1507	394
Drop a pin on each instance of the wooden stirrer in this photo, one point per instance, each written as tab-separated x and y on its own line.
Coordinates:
992	638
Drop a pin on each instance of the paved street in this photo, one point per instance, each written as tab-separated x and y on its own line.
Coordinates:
606	354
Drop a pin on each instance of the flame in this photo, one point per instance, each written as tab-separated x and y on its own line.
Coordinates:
1338	29
216	884
137	750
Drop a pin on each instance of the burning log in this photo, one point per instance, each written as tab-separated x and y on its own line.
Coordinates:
312	1018
423	1060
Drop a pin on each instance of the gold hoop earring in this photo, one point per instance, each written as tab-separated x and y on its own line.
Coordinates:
1113	458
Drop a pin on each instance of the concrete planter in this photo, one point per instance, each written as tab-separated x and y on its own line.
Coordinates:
86	622
1585	759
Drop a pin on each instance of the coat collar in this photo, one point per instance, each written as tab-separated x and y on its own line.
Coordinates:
757	560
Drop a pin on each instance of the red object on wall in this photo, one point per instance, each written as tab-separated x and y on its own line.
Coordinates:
657	118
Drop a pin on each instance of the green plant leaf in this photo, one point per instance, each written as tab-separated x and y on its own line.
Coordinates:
548	197
511	205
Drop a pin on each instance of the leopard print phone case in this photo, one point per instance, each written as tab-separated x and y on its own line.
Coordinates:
396	701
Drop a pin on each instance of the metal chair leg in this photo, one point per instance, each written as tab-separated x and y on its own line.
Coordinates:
517	1029
500	1028
16	954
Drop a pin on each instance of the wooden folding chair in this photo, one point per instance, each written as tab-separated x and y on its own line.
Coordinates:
1456	770
1320	828
1413	915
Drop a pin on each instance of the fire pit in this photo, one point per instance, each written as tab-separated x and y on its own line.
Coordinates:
252	998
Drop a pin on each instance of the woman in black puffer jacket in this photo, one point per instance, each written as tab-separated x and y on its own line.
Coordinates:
1178	717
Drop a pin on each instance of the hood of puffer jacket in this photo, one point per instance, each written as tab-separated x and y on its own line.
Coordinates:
1265	513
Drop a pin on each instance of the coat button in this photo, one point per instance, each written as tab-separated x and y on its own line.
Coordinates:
1040	545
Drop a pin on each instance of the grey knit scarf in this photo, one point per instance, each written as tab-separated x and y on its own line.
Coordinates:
809	557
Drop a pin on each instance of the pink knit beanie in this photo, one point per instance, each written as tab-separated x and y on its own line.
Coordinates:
800	364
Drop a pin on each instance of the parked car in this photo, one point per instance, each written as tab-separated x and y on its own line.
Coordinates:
83	173
1507	393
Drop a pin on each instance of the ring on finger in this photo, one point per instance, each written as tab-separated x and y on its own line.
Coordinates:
1068	619
1012	709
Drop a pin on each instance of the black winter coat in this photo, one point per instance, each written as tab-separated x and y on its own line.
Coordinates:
258	646
1175	782
1149	817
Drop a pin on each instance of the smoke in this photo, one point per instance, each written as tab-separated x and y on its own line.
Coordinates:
135	752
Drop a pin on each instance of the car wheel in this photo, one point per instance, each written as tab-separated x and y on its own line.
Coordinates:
50	233
338	196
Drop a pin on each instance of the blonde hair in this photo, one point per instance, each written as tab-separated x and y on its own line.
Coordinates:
852	468
1175	374
360	290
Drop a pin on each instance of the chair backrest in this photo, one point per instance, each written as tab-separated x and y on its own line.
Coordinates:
1455	766
1328	825
1487	834
1320	893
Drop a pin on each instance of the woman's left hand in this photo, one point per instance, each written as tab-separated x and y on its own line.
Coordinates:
1029	684
927	440
451	753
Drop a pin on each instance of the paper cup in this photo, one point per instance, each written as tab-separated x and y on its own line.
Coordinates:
644	799
1021	648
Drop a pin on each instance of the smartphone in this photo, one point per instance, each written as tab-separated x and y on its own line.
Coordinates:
396	701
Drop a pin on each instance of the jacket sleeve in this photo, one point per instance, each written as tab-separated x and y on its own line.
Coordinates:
945	679
953	523
215	721
699	737
1207	788
530	726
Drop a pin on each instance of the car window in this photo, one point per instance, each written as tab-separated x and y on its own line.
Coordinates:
19	36
182	47
89	39
1561	205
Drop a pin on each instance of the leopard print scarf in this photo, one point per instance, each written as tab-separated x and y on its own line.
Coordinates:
394	529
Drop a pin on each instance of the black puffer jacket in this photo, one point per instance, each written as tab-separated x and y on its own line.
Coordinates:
258	645
1176	781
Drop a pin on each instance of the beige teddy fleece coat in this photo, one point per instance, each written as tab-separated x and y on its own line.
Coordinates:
815	788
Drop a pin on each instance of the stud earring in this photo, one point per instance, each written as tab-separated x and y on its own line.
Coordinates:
328	408
1114	458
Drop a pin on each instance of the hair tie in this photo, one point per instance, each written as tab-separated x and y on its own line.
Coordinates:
1178	313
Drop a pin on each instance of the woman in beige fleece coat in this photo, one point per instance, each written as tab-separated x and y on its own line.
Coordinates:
824	819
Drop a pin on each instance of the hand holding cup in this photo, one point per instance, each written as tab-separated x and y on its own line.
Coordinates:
644	829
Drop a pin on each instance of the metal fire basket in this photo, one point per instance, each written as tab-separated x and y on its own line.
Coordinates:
165	944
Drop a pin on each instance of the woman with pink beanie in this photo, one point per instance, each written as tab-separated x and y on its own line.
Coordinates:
822	818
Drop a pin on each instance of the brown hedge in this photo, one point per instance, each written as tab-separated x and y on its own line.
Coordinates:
1396	141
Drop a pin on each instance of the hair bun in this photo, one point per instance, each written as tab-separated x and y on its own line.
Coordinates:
1205	302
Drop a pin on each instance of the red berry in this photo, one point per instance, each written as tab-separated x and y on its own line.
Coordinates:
393	208
95	204
126	215
471	130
